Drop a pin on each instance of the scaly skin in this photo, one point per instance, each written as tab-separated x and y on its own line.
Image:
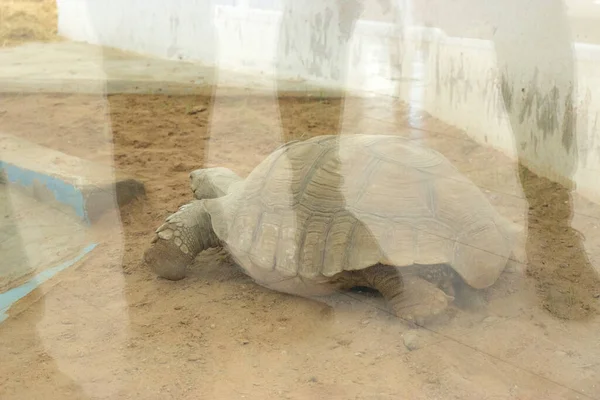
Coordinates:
211	183
179	240
189	231
410	297
441	275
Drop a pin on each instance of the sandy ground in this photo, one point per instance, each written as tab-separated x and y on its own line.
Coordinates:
111	330
23	21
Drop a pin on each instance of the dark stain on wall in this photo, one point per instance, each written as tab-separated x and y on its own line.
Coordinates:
318	43
547	110
458	84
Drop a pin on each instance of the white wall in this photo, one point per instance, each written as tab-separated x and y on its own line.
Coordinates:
463	89
236	38
171	29
460	84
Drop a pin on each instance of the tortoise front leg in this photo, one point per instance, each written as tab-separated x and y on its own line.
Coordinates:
410	297
179	240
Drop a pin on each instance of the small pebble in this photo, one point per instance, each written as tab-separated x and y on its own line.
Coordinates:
597	296
212	326
490	319
411	340
196	110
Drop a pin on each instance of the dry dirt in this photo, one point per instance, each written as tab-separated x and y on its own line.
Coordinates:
24	21
216	335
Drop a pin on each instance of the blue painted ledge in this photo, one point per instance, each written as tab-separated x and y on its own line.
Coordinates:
63	192
7	299
87	188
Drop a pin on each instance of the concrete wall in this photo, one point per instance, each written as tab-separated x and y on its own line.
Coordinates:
237	38
457	77
464	89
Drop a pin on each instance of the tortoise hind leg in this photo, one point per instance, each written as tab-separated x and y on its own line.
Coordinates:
444	277
410	297
210	183
441	275
179	240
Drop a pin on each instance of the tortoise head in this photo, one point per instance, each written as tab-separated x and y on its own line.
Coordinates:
210	183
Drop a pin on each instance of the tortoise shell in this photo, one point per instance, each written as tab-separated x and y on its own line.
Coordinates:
315	208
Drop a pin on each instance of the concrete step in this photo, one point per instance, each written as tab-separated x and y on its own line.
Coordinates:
48	200
82	187
36	242
73	67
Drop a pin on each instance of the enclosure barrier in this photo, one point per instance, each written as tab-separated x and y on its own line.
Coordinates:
454	79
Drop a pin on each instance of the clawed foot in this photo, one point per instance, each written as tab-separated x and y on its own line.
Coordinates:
178	241
421	302
168	256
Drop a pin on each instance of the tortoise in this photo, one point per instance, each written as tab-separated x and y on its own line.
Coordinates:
333	213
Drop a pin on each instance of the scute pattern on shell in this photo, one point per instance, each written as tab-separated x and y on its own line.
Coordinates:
328	204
